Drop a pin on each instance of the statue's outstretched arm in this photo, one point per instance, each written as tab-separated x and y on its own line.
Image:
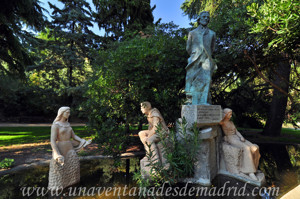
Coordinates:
75	137
82	142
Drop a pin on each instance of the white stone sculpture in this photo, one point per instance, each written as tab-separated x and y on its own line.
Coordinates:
240	156
151	138
64	166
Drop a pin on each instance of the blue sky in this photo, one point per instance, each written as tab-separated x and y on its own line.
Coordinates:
167	10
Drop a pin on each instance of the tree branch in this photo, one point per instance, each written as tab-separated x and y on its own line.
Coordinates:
272	29
264	78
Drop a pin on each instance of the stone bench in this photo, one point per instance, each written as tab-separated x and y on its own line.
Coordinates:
232	157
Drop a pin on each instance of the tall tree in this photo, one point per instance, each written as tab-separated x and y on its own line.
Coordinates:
119	16
69	45
276	24
14	15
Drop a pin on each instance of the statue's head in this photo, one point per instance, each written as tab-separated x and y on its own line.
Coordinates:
227	112
204	18
145	107
63	112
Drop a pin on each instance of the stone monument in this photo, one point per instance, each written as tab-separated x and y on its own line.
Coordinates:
215	156
207	119
64	166
200	47
150	138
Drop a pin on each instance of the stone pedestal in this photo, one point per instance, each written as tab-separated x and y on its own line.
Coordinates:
206	167
207	118
158	158
145	168
202	115
230	162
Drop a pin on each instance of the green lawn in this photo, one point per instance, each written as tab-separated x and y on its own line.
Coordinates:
284	131
290	132
22	135
288	135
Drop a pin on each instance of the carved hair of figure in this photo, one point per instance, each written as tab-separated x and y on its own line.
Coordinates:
60	113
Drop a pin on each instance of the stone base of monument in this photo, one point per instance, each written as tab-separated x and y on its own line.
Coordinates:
211	161
244	178
202	115
144	163
230	160
206	167
145	169
207	118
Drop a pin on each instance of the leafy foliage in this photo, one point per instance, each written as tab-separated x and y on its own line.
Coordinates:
20	101
193	8
6	163
65	54
68	43
180	150
14	56
138	70
120	16
276	22
113	140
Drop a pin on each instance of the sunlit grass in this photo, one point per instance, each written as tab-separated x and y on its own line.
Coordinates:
288	135
22	135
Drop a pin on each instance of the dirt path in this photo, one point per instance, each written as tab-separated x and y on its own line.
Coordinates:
32	152
30	125
35	152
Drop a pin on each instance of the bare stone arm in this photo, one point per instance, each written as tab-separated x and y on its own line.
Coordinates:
240	136
81	142
75	137
55	152
152	131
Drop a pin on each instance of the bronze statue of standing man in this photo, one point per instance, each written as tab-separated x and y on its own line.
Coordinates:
200	46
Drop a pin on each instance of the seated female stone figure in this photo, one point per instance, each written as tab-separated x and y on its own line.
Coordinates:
64	166
250	152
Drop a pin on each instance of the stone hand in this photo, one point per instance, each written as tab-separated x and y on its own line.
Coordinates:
61	160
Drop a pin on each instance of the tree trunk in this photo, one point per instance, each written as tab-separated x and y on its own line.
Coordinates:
70	96
279	99
140	127
127	128
277	153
